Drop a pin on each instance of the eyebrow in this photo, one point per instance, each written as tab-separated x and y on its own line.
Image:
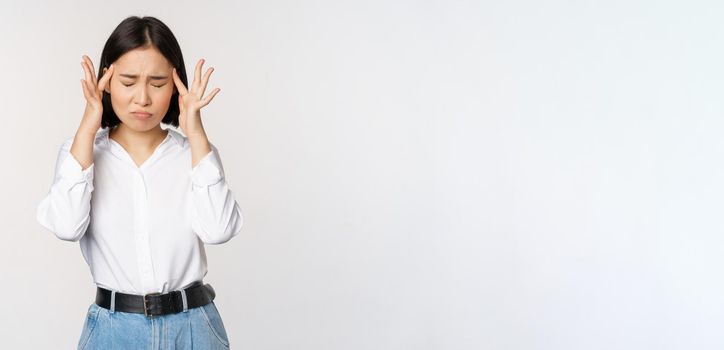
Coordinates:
152	77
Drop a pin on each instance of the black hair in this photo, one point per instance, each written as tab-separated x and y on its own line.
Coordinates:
134	32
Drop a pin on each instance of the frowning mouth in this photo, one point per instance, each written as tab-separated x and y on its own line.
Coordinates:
142	115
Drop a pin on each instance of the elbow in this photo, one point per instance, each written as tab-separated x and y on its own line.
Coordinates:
65	232
68	235
71	231
214	240
219	234
74	234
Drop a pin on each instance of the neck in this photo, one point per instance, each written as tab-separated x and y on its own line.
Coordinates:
138	140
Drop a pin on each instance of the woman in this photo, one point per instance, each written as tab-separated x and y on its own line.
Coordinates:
143	200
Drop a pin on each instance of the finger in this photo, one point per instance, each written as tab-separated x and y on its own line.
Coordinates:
106	77
91	95
205	81
208	99
197	77
93	81
179	84
86	71
90	64
91	92
86	93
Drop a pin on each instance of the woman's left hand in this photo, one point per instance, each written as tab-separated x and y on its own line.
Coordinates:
191	102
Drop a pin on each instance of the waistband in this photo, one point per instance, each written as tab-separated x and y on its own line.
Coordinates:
155	304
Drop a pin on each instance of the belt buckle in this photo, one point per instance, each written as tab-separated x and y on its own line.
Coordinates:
145	303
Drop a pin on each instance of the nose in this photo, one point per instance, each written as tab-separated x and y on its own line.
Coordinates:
141	95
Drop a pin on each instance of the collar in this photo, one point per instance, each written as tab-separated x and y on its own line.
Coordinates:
175	136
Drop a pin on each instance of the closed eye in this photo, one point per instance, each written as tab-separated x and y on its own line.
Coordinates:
159	86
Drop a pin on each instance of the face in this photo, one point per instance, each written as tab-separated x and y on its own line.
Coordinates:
142	82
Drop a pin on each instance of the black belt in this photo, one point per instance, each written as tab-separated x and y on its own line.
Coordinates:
154	304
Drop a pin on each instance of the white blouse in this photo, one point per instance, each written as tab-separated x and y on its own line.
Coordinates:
141	229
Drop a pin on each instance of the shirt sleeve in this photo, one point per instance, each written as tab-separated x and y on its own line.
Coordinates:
216	214
65	210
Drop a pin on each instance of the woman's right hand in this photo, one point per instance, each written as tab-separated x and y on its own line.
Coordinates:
93	92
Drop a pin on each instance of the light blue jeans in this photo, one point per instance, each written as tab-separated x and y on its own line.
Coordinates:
197	328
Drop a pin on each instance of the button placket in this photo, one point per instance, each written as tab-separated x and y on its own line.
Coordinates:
143	248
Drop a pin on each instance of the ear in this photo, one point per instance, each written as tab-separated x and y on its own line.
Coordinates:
107	87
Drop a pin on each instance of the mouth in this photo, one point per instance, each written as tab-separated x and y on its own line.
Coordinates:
141	115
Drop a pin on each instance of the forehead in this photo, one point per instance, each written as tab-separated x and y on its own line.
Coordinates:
142	61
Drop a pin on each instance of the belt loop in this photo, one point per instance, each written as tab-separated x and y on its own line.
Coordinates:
113	301
183	298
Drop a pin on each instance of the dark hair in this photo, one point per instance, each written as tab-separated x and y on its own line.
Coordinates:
134	32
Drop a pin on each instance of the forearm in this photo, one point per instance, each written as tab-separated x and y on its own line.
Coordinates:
82	148
65	210
200	146
217	216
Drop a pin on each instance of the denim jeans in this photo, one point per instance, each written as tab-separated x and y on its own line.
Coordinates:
196	328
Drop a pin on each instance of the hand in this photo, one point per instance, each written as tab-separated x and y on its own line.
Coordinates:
191	102
93	92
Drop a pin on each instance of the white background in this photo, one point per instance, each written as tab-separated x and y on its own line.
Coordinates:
413	174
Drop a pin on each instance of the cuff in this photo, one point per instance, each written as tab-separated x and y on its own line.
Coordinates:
72	172
208	171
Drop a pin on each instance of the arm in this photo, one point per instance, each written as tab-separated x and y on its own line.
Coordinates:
65	210
216	215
